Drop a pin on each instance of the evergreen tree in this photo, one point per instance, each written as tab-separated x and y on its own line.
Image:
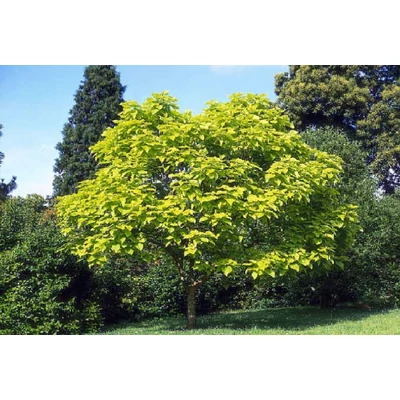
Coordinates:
97	105
364	100
6	188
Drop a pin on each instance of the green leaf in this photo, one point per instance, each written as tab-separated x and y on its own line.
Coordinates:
252	198
116	248
227	270
295	267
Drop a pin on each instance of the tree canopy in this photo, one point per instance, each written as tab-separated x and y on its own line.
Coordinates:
233	186
356	182
6	188
97	105
364	100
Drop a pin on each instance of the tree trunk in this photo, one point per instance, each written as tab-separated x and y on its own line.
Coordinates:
191	307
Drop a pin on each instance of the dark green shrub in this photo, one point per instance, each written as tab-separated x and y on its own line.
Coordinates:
376	256
116	290
43	289
238	291
126	290
159	291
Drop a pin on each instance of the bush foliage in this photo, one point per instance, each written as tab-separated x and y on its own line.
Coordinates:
43	289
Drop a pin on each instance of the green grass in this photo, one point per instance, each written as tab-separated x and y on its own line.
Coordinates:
282	321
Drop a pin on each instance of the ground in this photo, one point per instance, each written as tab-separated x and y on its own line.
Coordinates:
278	321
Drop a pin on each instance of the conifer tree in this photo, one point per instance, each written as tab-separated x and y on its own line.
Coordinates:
97	105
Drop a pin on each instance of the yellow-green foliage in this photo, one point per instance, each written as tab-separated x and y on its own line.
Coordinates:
232	186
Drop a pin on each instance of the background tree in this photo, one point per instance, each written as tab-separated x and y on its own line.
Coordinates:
363	100
356	184
97	105
231	187
6	188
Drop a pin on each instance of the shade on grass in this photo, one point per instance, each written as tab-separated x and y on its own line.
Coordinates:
283	321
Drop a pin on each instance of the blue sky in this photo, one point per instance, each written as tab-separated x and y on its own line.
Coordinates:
35	103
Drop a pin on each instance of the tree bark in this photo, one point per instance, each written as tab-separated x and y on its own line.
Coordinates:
191	307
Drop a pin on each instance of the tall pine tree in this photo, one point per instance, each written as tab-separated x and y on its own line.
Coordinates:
6	188
97	105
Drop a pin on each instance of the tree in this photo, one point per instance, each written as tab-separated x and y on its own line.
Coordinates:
6	188
364	100
233	186
97	105
356	183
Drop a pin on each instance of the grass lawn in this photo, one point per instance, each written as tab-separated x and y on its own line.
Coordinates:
279	321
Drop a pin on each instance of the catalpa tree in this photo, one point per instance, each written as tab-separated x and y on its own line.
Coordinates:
233	186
